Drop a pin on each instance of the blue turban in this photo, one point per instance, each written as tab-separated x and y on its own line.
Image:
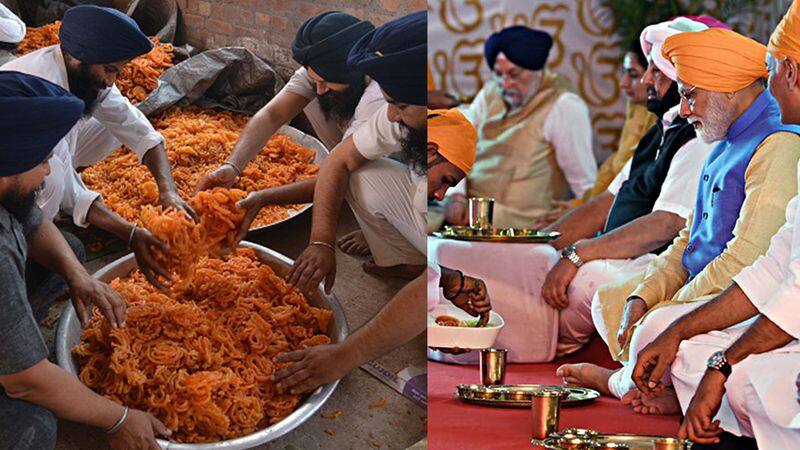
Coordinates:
34	115
522	46
323	41
97	35
394	55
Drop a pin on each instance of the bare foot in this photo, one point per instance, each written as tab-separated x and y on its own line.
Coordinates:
664	402
354	244
404	271
586	375
631	396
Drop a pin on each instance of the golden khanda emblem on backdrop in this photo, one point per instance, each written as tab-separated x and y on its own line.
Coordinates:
584	49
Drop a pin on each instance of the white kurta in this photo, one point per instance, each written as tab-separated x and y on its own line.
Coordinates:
329	132
762	396
388	198
113	122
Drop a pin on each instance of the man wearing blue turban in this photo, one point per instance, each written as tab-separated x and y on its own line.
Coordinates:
534	134
388	197
34	116
96	43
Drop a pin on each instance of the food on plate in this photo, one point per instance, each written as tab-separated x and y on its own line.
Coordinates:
200	358
447	321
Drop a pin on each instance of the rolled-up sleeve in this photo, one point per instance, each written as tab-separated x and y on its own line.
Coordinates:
22	343
129	125
568	128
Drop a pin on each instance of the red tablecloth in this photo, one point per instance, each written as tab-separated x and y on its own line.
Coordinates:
456	425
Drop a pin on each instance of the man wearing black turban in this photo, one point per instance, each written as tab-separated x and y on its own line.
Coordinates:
34	116
95	44
534	134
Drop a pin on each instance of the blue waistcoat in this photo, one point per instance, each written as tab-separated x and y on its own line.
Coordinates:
721	191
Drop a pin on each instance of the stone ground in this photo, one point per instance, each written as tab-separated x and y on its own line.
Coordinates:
397	425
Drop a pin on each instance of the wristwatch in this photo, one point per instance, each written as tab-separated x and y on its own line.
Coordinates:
717	361
570	254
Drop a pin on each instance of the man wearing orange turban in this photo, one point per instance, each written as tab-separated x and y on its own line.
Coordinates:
741	199
452	142
761	361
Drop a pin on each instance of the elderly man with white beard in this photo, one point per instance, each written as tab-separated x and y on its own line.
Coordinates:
745	185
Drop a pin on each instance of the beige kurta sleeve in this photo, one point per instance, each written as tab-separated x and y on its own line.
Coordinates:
770	182
665	275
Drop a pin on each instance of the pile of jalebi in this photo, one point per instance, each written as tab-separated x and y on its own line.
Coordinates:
200	360
187	241
197	141
136	80
36	38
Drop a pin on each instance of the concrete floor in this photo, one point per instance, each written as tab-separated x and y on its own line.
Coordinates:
397	425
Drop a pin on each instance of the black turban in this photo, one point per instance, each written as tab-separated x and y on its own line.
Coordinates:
97	35
394	55
323	41
522	46
34	115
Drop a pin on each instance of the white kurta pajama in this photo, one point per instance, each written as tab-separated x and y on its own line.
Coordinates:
113	122
515	273
388	198
761	399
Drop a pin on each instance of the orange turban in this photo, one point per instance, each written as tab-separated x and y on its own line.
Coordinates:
431	84
455	136
785	40
716	59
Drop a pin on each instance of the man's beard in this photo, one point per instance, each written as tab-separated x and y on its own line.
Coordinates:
414	149
18	203
519	99
85	87
659	106
716	120
339	107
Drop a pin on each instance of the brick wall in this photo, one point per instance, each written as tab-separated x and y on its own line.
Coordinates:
267	27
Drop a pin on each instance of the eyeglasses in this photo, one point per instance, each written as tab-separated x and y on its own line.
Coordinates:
685	95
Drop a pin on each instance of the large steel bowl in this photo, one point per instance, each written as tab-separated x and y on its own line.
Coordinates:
69	331
306	140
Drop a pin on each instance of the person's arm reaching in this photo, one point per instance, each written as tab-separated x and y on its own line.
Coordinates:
278	112
394	325
294	193
318	260
49	386
158	164
634	239
583	222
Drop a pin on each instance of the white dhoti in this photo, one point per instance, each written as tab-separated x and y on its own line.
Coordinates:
382	195
646	332
514	275
761	395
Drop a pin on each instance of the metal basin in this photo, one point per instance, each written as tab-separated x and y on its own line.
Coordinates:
306	140
69	331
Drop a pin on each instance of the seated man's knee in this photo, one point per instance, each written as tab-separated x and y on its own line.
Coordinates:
27	426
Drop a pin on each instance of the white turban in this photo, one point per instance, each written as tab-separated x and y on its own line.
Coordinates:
653	37
12	29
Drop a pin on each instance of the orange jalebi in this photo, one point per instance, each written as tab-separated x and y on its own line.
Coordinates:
220	219
201	358
136	80
197	141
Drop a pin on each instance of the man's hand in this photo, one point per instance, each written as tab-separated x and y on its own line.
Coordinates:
313	367
139	431
697	425
473	299
141	244
86	291
554	290
317	262
222	176
455	210
654	360
174	201
635	309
